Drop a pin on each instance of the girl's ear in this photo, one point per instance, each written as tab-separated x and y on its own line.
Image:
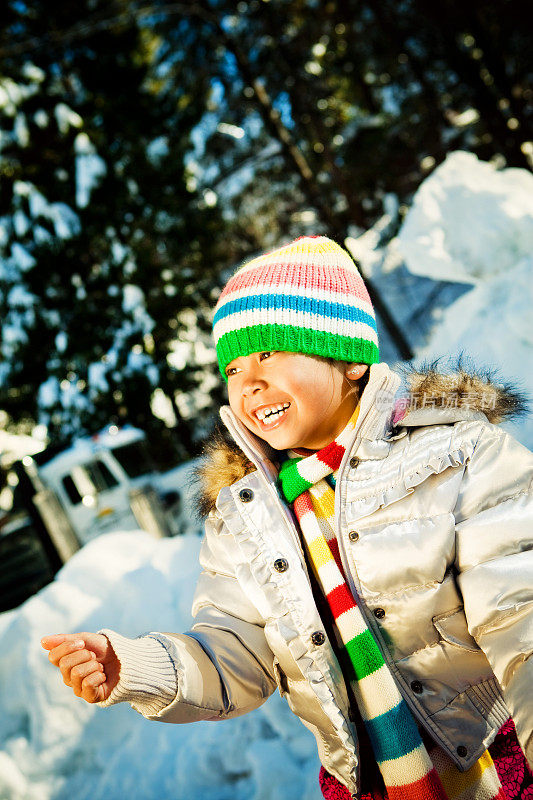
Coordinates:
355	371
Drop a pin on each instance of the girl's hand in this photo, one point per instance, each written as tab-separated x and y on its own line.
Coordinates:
87	663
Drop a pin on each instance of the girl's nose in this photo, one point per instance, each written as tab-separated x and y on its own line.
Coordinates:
252	384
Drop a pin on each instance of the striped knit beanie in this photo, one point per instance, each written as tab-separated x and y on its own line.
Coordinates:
305	297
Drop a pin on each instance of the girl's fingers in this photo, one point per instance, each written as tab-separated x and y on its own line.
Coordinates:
79	666
52	641
90	687
78	657
49	642
80	672
72	646
69	662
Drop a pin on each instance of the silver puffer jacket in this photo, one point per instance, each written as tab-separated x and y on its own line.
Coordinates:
434	522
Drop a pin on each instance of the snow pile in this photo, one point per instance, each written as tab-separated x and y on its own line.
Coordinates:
472	223
54	745
469	221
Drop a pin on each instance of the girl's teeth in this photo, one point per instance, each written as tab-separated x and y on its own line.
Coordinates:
273	415
276	414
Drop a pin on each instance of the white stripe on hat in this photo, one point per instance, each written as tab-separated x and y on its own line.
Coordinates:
296	319
344	298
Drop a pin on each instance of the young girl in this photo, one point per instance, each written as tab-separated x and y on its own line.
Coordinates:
372	559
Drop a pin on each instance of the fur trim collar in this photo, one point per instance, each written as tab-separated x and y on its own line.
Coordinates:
225	463
462	388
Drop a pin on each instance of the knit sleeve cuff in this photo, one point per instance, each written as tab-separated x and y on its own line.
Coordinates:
148	679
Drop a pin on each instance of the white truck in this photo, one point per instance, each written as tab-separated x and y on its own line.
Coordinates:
108	482
101	481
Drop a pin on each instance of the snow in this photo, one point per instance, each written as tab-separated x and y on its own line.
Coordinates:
13	94
20	256
54	745
118	251
90	168
470	222
41	118
21	223
66	222
134	303
157	150
21	131
33	73
19	297
161	407
15	446
61	341
96	377
66	118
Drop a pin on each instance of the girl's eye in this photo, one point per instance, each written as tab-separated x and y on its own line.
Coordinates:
234	370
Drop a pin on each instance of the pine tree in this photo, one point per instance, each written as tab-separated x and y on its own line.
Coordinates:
107	243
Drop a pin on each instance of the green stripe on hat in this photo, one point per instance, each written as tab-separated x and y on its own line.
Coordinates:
289	338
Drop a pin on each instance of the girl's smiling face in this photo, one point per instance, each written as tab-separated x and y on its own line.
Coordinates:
292	399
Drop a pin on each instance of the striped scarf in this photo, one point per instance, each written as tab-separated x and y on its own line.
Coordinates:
409	772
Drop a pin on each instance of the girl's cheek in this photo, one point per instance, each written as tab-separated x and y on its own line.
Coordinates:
234	400
231	393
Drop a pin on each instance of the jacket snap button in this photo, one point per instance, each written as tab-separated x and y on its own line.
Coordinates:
354	461
246	495
318	638
281	565
417	687
462	751
379	613
353	536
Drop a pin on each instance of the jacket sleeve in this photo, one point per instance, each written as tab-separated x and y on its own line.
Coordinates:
494	558
221	668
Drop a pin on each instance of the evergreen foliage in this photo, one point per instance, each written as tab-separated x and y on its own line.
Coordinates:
147	149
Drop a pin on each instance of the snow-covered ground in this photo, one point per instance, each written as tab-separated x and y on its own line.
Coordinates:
54	745
468	223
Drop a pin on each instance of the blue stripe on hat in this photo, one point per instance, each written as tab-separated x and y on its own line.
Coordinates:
309	305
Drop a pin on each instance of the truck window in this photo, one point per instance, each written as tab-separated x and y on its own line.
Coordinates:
134	459
91	478
70	488
101	476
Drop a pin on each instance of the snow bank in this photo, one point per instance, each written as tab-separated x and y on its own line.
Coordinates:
470	222
54	745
